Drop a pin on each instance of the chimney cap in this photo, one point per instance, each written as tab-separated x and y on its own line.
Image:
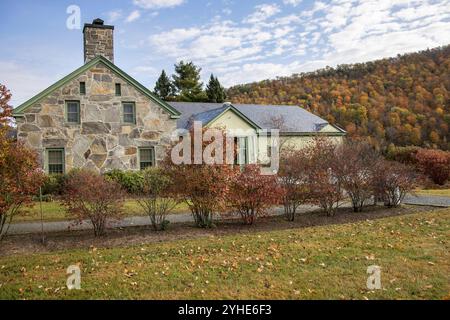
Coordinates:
97	23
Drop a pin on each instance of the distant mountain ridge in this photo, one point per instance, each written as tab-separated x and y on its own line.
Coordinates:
401	101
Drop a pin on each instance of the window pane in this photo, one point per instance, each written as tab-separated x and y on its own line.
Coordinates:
118	89
128	118
55	168
128	113
82	88
146	154
146	157
55	157
242	150
72	107
73	112
72	117
55	161
128	108
145	165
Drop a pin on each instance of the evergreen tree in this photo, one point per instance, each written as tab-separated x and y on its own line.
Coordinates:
215	91
186	81
163	86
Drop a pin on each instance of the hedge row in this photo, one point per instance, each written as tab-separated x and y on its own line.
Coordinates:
130	181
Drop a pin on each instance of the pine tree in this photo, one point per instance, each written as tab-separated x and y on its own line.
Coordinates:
215	91
186	81
163	86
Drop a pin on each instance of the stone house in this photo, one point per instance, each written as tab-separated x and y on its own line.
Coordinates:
99	117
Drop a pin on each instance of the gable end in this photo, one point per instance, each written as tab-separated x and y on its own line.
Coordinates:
19	111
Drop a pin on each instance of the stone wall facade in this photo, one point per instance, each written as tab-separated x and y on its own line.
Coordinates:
101	141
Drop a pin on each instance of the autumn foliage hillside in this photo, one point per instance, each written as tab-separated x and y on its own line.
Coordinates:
400	101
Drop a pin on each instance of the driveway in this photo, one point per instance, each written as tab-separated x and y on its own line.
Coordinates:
439	201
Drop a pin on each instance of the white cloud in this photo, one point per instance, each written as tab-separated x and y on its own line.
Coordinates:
133	16
348	31
144	69
274	40
113	16
262	12
345	31
217	42
227	11
292	2
157	4
23	82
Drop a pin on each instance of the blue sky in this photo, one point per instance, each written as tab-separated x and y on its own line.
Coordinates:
238	40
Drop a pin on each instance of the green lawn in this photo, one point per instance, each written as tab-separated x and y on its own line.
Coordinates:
54	211
310	263
434	192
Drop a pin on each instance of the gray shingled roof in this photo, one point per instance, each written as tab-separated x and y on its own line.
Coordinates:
207	116
295	119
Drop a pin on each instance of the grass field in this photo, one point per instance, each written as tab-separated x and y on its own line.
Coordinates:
55	211
310	263
434	192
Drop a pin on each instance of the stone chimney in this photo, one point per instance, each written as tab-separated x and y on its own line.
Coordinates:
98	40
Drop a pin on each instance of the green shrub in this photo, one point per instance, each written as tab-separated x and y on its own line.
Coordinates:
405	155
54	184
156	200
45	198
130	181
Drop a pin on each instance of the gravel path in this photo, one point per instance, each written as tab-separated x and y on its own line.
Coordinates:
35	227
54	226
439	201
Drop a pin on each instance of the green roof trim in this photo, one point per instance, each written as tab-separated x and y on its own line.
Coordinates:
18	112
240	114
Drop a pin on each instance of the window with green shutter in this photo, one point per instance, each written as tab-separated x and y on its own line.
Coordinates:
146	158
73	111
55	161
129	112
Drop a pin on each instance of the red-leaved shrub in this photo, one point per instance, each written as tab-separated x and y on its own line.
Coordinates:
434	164
293	178
88	195
324	183
392	181
355	163
252	193
202	186
20	175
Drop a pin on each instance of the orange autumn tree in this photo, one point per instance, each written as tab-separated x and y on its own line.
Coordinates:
401	100
201	185
20	175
